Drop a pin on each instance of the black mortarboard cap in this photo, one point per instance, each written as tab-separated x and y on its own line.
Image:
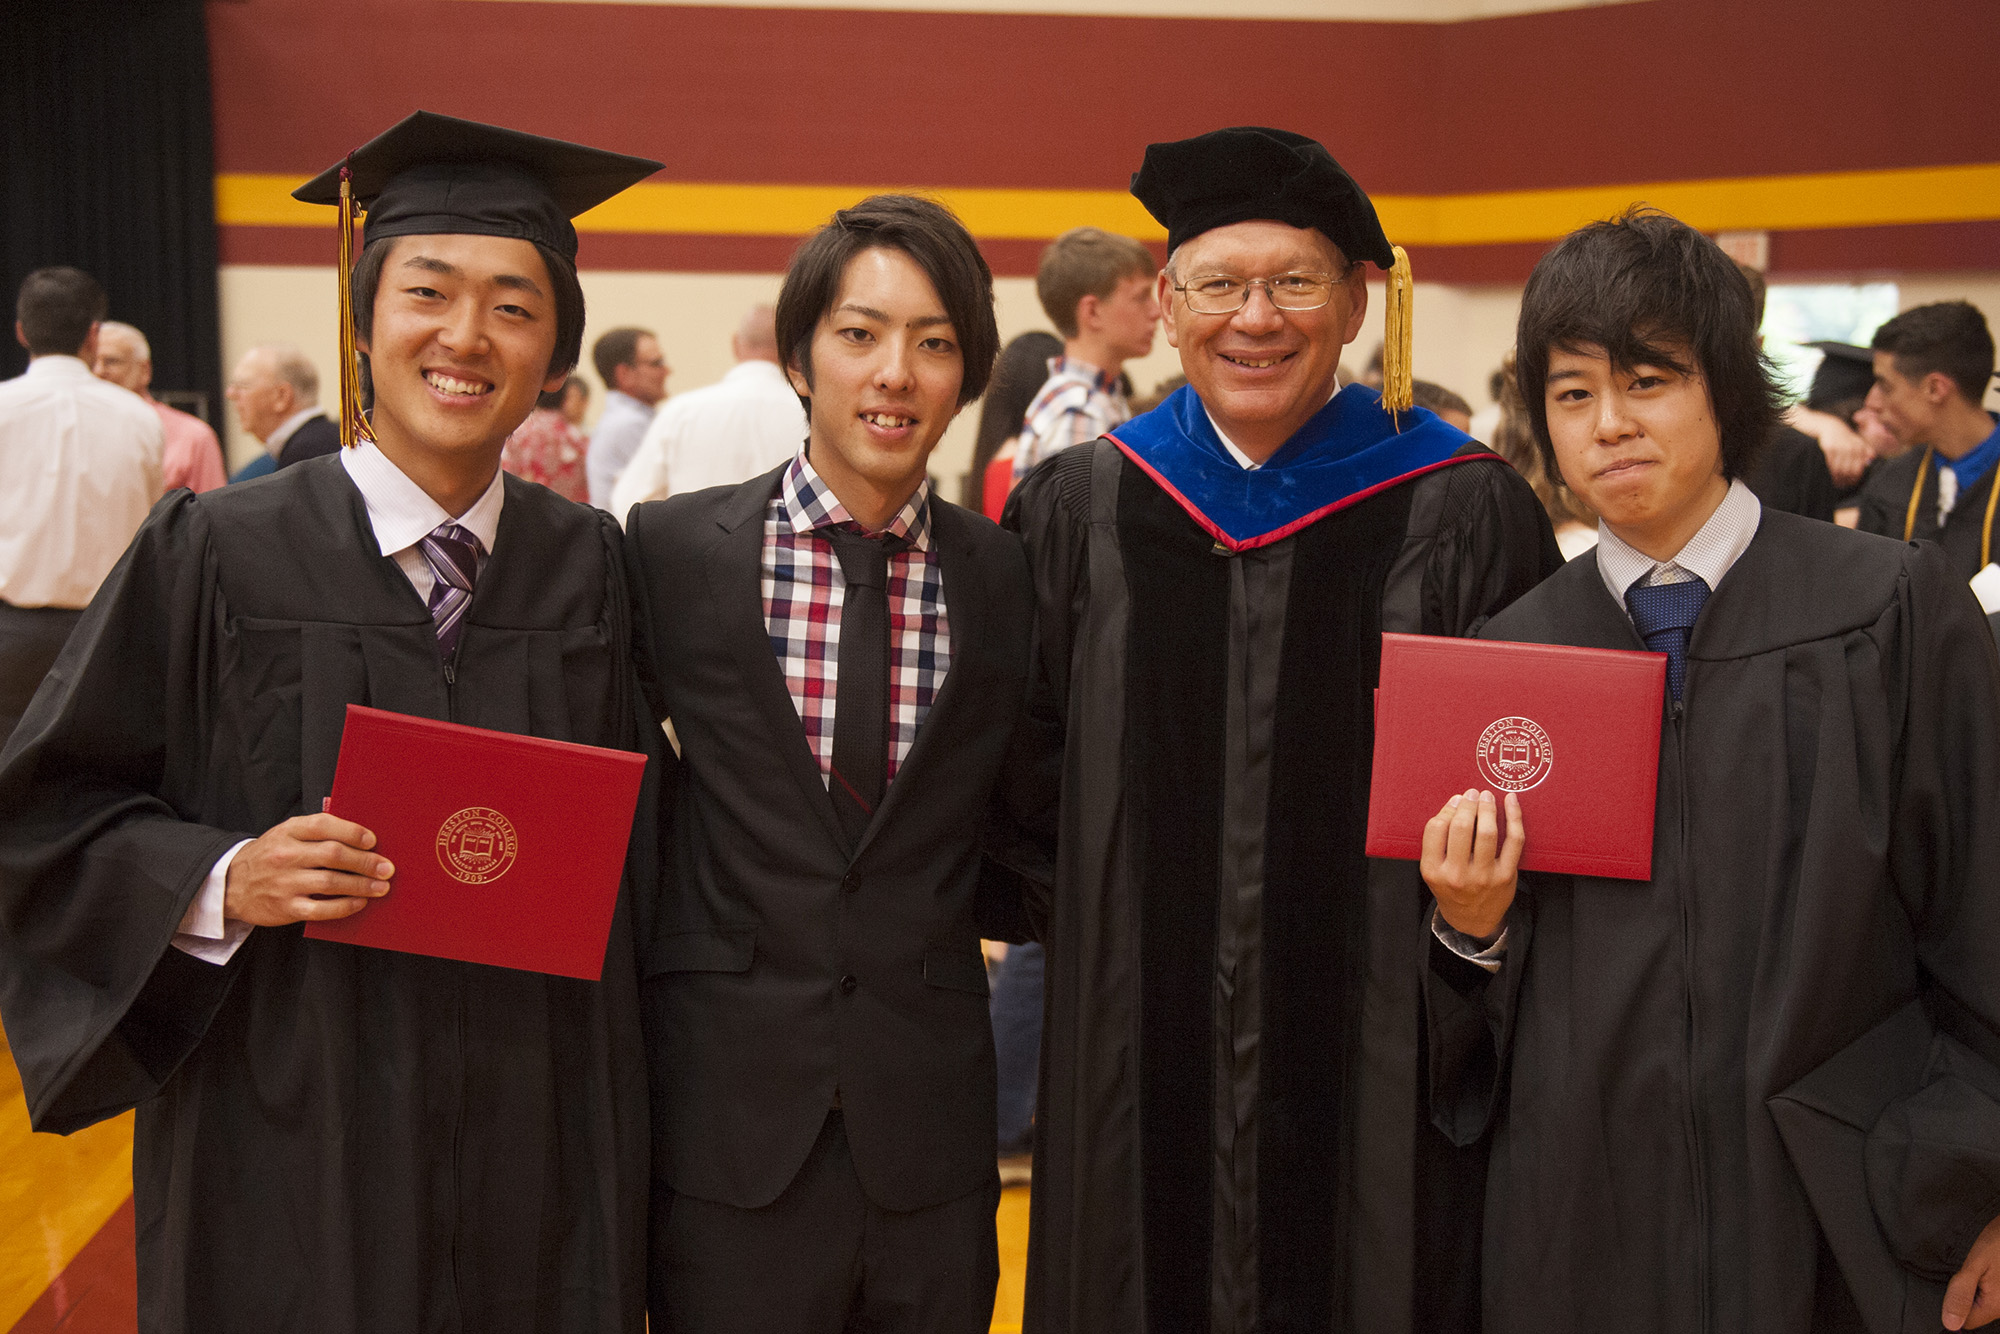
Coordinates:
1249	173
1845	372
428	175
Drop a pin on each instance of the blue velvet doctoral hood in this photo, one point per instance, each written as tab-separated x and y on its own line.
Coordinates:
1349	450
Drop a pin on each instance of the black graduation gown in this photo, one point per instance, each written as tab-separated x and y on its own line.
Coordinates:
1825	850
1229	1129
1885	508
330	1138
1789	473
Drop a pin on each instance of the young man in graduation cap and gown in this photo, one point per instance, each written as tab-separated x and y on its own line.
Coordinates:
1229	1133
334	1138
1759	1090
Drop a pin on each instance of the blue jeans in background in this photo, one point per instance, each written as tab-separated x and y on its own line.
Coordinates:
1017	1043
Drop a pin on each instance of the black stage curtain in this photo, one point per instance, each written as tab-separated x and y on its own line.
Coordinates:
107	162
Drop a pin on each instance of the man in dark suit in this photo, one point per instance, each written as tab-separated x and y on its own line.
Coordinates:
843	656
276	393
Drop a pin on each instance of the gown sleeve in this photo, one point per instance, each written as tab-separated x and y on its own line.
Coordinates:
1493	543
100	851
1050	511
1933	1169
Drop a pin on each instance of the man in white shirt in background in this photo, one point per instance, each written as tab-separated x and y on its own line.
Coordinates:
276	393
190	455
746	423
634	371
79	468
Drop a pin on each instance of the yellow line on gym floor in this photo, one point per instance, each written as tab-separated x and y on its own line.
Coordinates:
55	1193
1813	200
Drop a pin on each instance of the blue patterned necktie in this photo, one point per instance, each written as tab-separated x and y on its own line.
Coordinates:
1664	616
453	554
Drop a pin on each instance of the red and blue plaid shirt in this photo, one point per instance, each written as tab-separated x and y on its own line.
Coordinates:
803	591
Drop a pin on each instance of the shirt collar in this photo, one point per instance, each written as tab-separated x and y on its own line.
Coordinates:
807	503
59	365
1708	555
399	511
1244	461
290	424
757	368
624	402
1971	467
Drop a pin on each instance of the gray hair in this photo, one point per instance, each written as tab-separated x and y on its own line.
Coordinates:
290	365
138	339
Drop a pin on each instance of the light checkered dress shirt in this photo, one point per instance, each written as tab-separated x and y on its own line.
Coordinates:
803	591
1077	403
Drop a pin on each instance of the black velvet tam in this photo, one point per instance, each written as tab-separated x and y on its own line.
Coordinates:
1846	371
430	175
1248	173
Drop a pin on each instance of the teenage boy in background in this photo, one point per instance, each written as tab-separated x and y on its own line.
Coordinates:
1096	287
1826	874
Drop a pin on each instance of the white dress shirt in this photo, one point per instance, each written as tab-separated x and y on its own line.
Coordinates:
620	428
1708	555
746	423
79	468
400	515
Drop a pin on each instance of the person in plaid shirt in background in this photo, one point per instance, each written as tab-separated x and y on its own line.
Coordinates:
843	656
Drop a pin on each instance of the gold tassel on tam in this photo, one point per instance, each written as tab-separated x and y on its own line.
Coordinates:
353	426
1397	380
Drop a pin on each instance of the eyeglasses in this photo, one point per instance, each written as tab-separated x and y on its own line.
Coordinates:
1225	294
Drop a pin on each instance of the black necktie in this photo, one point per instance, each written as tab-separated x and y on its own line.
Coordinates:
1664	616
861	690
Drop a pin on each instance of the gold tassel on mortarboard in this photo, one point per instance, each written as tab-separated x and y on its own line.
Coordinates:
1397	387
353	426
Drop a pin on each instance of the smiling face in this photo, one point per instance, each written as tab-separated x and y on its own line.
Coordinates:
1261	371
464	328
886	371
1639	445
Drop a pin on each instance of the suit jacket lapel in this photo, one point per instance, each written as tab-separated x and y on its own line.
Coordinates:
735	573
965	610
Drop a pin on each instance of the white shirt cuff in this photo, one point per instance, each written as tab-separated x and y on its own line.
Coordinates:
204	932
1489	957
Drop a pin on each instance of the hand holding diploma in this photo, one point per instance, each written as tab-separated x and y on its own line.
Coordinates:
1472	873
311	868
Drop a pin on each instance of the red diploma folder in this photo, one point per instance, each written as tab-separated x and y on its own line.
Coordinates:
508	849
1574	731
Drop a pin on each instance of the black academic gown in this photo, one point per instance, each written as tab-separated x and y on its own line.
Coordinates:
1825	850
1885	509
1229	1134
1789	473
330	1138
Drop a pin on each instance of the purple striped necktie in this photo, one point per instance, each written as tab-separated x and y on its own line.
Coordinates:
453	554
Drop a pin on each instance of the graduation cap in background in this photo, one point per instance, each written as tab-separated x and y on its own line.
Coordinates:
431	175
1845	371
1249	172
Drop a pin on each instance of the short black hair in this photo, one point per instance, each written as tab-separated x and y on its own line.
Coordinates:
934	239
1949	337
615	348
56	308
1650	290
366	280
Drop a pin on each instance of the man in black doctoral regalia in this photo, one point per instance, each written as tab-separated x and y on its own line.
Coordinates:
333	1138
1759	1090
1229	1135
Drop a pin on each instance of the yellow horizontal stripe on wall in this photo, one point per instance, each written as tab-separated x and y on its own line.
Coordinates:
1777	203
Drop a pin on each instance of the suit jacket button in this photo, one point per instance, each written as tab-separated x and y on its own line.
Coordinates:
848	984
850	882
